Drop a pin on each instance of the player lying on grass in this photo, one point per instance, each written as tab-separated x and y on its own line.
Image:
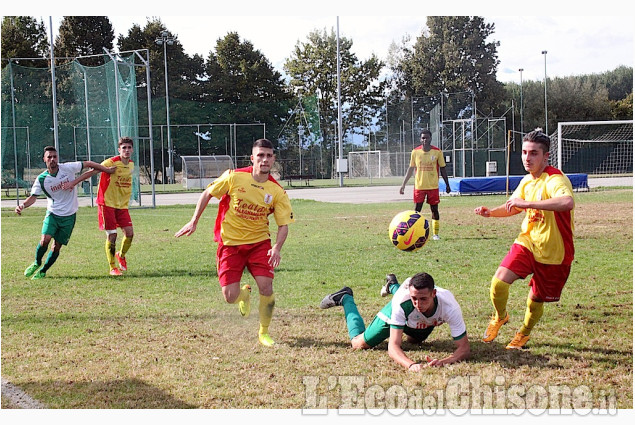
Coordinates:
416	308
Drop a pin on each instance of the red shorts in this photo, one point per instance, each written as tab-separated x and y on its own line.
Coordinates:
232	260
431	194
111	218
547	280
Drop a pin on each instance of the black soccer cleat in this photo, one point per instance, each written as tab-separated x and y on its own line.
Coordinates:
335	298
391	279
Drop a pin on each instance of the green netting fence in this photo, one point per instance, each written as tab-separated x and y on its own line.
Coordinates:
95	105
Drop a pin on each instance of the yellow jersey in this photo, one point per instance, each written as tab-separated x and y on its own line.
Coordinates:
245	206
115	189
547	234
427	165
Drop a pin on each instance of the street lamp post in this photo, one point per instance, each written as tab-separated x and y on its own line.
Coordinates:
522	131
163	41
544	52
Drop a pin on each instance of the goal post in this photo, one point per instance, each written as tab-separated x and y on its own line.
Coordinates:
371	164
596	148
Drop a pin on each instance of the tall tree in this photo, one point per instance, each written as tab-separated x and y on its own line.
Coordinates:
23	37
245	84
239	73
84	36
453	55
313	71
184	72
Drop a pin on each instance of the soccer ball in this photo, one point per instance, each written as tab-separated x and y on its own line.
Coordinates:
409	231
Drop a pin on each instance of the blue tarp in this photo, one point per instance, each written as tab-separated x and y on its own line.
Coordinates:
498	184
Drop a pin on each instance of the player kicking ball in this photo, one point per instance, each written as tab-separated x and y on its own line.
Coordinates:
247	197
416	308
544	246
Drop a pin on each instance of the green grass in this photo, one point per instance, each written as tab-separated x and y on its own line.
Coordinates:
162	336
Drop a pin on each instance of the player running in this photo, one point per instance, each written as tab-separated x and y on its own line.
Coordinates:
426	161
416	308
247	197
61	208
544	246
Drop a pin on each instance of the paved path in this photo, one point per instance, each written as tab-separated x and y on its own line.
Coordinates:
346	194
354	195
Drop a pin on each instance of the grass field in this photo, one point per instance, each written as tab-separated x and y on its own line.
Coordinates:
162	337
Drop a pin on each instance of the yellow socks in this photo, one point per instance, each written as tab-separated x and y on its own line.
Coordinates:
435	227
265	309
532	315
125	245
110	253
499	293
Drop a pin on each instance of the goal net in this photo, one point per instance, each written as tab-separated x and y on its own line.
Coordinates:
596	148
370	164
199	171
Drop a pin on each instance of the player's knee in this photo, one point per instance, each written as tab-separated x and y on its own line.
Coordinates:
358	343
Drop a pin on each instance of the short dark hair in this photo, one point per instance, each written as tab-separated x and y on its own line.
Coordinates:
125	140
263	143
49	149
426	131
422	281
537	136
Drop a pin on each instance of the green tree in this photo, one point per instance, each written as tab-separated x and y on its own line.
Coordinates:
247	87
184	72
622	109
312	68
23	37
452	56
84	36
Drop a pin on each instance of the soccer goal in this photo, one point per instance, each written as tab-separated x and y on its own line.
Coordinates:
371	164
596	148
199	171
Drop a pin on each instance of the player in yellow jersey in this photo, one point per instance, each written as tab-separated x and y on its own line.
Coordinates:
544	246
113	197
426	162
247	197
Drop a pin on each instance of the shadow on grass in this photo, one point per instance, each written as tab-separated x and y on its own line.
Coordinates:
119	394
133	274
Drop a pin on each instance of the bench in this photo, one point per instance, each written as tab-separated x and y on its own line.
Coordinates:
8	185
304	177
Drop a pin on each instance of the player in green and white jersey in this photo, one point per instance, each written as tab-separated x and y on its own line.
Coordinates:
61	208
417	307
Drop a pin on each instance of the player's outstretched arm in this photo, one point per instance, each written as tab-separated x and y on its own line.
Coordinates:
462	352
397	354
97	166
26	204
190	227
500	211
85	175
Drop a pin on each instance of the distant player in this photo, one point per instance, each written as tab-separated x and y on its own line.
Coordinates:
426	161
416	308
113	198
544	246
61	208
247	197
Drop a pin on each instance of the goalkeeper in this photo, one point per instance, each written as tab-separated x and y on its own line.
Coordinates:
416	308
